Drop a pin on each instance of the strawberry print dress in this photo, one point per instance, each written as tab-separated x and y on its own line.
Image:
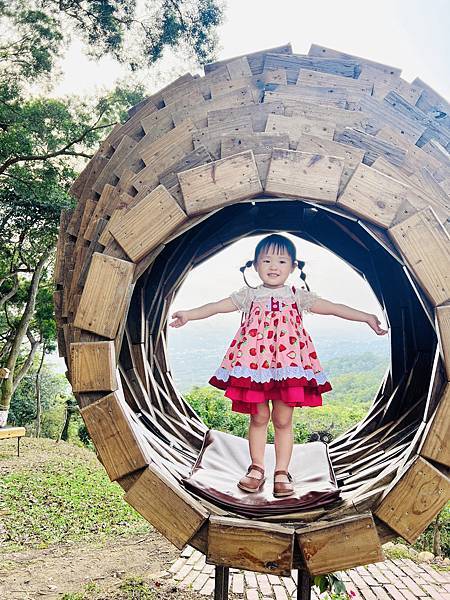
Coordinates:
272	356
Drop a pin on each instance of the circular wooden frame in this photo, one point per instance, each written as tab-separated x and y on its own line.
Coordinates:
330	147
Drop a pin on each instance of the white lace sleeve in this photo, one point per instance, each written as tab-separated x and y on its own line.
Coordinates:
305	299
242	298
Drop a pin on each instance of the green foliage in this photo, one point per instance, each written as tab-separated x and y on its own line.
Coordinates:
55	391
215	410
132	34
67	498
425	539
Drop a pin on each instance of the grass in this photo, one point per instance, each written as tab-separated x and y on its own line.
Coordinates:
64	500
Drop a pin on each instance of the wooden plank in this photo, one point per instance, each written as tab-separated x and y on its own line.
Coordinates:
291	99
93	367
373	146
164	152
436	445
432	126
297	126
324	112
251	545
239	67
107	174
352	156
211	137
259	143
167	506
385	115
316	78
257	112
148	223
309	94
303	175
109	423
256	82
443	331
413	500
378	198
198	114
102	304
342	544
294	62
220	183
420	185
425	244
11	432
255	59
322	51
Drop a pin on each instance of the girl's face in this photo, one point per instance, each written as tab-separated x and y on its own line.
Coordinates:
273	267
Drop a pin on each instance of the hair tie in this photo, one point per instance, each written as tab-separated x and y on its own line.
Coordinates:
301	264
247	265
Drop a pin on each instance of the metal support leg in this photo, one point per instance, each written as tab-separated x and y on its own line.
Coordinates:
304	583
221	582
18	446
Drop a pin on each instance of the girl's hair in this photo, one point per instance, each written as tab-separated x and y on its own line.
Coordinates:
281	244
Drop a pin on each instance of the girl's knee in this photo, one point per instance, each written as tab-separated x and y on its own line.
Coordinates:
282	416
262	416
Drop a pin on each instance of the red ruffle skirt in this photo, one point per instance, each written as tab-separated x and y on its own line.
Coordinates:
245	394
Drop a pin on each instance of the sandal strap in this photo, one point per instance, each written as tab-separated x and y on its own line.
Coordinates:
282	472
256	468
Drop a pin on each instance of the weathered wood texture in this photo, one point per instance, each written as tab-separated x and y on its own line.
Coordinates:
352	542
361	157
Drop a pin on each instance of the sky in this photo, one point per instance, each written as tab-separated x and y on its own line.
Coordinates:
410	34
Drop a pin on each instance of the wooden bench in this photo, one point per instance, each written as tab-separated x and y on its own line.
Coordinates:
12	432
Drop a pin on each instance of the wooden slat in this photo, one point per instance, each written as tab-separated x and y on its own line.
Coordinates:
346	543
303	175
443	331
436	445
259	143
253	545
148	223
11	432
352	156
102	304
412	501
425	244
93	367
220	183
110	426
378	197
171	510
295	127
322	51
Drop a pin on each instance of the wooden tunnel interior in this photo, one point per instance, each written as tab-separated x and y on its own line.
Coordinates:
334	149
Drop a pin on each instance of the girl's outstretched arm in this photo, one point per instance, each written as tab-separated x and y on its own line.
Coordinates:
202	312
325	307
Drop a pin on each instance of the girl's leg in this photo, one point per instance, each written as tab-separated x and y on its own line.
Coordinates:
257	436
284	437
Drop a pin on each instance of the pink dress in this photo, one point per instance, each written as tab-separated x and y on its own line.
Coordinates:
272	356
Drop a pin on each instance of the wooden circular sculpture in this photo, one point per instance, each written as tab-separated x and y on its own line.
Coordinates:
336	149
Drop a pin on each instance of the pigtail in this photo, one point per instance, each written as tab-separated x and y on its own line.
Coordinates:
301	264
247	265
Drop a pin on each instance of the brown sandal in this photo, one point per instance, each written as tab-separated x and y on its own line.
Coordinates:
282	488
250	483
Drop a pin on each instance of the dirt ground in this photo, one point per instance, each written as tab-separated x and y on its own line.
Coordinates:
64	569
83	570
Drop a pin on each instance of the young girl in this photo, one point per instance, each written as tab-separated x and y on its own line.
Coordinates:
272	356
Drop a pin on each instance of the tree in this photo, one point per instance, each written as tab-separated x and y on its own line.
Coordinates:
44	142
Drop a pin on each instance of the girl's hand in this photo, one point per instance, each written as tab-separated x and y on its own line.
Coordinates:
181	318
375	323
